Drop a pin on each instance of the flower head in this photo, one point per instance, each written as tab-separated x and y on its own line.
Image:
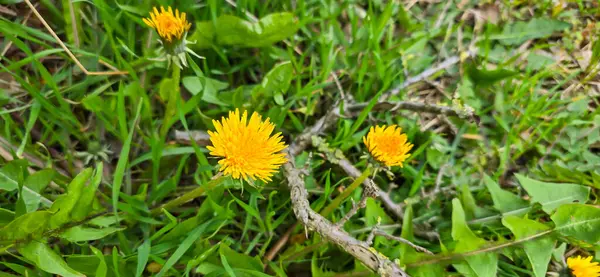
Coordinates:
246	146
388	145
169	26
172	29
583	267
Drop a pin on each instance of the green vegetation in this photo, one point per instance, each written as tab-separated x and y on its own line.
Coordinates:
105	171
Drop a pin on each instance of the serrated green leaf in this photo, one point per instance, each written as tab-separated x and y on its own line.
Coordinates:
485	264
277	80
504	201
552	195
11	175
46	259
232	30
35	184
78	233
517	33
539	251
374	211
84	205
28	225
484	77
578	221
64	204
102	267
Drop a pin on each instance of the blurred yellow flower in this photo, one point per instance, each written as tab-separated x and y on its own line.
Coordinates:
167	24
247	148
583	267
388	145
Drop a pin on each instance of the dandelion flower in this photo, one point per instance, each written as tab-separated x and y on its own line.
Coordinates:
583	267
172	29
167	24
388	145
247	148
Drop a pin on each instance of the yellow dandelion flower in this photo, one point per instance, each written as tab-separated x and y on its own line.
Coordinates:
167	24
388	145
583	267
247	148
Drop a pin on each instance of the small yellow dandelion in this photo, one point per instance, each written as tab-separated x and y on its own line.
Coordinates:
388	145
583	267
167	24
247	148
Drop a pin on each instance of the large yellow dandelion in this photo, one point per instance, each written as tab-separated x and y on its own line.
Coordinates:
167	24
247	148
388	145
583	267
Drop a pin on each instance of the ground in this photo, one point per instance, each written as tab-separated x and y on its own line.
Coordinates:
105	170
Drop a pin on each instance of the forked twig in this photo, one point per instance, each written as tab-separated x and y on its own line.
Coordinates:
63	46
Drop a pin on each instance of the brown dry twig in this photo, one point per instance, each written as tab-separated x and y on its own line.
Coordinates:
376	231
315	222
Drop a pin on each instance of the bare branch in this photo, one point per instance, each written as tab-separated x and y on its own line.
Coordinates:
379	232
200	137
390	205
428	73
416	107
314	221
370	191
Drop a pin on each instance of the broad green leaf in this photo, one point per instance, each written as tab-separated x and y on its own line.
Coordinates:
35	184
504	201
240	261
211	89
6	216
10	175
104	221
85	204
470	205
518	32
64	204
232	30
102	267
578	221
552	195
466	91
46	259
278	79
374	212
539	251
484	77
484	265
409	255
192	84
28	225
78	233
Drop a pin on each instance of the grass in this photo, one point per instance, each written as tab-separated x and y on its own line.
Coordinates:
532	84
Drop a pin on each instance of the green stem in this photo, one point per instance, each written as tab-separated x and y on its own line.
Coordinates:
171	102
164	130
345	194
188	196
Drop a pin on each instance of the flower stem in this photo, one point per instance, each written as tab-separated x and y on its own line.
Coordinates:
188	196
172	100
